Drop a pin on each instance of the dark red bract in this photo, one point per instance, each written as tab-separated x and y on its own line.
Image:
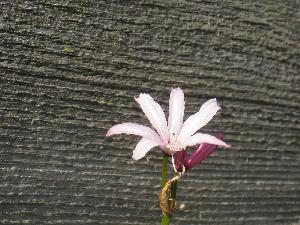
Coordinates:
190	161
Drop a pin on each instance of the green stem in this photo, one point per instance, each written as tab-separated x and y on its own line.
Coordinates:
166	219
164	172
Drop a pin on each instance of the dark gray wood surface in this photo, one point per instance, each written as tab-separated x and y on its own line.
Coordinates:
70	69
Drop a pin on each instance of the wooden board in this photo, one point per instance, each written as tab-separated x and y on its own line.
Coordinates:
69	70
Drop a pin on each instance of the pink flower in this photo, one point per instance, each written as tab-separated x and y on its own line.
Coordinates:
202	152
171	136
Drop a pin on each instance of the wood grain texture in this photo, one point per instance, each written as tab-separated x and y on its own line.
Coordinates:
69	70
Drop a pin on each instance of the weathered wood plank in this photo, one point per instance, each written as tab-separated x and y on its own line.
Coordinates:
70	69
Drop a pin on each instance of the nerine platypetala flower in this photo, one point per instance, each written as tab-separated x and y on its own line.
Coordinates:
171	136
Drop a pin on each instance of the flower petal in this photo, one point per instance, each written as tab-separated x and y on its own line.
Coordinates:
136	129
176	113
144	146
203	151
199	138
155	114
199	119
